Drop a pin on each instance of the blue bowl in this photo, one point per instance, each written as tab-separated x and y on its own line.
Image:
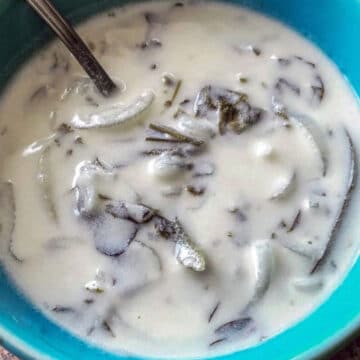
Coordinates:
334	27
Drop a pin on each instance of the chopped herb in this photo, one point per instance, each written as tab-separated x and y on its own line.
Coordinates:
59	62
213	312
256	50
106	326
284	61
184	102
295	222
176	134
89	301
90	330
300	58
230	234
62	309
179	4
318	89
169	103
273	235
162	139
64	129
281	83
218	341
168	79
153	66
39	93
150	44
195	190
282	224
79	140
240	215
104	197
94	286
69	152
3	130
164	227
227	113
90	100
243	80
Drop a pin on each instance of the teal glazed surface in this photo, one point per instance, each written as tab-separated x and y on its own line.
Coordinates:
334	26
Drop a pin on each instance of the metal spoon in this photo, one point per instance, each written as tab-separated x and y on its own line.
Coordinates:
75	44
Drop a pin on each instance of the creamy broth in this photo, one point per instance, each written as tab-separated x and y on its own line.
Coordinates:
196	211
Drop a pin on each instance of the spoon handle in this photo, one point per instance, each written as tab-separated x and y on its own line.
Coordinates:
75	44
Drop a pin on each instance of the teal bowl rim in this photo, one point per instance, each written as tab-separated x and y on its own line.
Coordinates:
322	335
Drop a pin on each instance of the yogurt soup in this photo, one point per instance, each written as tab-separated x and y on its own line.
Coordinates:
197	210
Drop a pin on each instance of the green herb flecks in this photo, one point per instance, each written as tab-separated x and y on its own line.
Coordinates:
169	103
295	222
176	134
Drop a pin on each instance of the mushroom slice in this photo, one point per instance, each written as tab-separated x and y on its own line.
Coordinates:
137	213
263	256
85	185
113	236
116	114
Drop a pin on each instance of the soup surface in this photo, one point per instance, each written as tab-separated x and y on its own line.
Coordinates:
198	209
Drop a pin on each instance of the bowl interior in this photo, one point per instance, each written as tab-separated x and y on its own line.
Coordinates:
334	28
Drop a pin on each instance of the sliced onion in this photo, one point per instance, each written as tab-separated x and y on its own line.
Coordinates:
263	257
116	115
351	180
315	135
308	284
283	187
